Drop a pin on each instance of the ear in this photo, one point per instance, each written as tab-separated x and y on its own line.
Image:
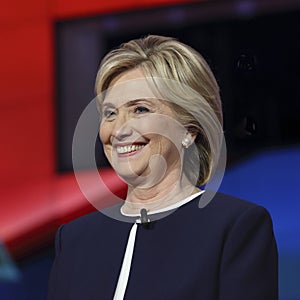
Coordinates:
192	132
188	140
193	137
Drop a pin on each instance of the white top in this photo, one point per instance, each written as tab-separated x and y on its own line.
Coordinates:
167	208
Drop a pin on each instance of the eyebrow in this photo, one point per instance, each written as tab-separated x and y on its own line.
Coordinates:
135	101
107	105
128	103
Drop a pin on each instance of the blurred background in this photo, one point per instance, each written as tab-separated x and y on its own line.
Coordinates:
50	52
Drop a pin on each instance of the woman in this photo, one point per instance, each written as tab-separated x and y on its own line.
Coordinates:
161	131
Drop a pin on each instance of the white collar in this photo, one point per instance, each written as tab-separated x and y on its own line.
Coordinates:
167	208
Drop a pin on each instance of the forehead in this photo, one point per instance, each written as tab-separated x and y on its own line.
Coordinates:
128	86
127	76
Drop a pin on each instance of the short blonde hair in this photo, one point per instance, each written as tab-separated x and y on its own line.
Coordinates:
167	58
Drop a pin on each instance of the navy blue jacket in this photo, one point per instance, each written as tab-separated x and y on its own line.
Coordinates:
224	251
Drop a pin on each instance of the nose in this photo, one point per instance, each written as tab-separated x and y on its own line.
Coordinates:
121	128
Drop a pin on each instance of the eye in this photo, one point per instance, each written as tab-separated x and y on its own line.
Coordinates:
108	113
141	109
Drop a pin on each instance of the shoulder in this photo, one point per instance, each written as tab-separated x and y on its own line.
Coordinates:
218	203
242	221
94	220
98	223
224	212
237	210
227	203
228	206
72	231
85	222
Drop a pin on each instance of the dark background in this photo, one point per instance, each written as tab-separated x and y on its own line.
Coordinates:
254	56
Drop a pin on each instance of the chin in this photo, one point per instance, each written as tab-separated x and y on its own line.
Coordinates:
129	172
134	176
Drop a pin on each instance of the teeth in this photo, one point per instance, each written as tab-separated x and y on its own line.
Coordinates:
128	149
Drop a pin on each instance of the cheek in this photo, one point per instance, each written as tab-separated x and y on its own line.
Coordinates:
163	145
104	137
103	134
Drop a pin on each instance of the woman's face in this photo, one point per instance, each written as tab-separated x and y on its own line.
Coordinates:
140	134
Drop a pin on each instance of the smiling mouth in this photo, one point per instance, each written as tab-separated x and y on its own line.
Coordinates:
129	148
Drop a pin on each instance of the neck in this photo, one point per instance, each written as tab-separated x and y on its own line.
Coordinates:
167	192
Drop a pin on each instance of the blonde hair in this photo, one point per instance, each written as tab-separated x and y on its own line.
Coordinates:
167	58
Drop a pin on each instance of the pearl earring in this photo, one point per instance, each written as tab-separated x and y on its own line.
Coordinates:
186	142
